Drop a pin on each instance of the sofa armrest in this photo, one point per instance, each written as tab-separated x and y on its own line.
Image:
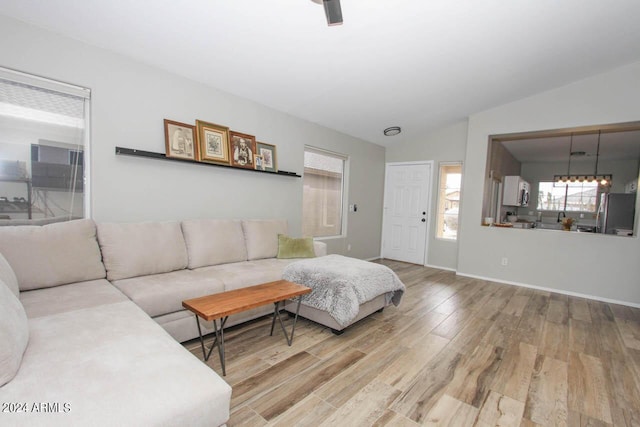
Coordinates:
320	248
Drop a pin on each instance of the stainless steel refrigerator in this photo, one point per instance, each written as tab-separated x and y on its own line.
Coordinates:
616	211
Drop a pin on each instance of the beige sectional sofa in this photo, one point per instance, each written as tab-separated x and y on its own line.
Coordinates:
158	265
102	303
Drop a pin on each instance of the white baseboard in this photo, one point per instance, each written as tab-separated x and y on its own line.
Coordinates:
372	259
439	267
558	291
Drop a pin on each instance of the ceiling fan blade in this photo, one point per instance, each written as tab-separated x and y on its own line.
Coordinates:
333	11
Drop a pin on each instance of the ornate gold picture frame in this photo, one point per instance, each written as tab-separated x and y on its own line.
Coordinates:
213	142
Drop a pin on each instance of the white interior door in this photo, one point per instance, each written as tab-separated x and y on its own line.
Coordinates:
406	211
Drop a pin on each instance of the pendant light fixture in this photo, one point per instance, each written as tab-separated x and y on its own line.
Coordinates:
566	178
601	179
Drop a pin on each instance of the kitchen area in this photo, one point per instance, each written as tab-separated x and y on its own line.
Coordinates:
577	181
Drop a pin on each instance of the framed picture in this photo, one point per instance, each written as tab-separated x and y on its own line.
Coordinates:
213	142
259	162
179	140
243	148
268	153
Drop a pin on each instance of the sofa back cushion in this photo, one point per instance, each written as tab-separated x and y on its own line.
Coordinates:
139	249
53	254
8	276
214	241
261	237
14	334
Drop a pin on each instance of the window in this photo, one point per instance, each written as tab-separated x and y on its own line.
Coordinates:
571	197
43	148
449	200
323	193
76	157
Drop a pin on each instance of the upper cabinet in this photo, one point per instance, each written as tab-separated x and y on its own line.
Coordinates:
515	191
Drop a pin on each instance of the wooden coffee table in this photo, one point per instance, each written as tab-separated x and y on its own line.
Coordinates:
224	304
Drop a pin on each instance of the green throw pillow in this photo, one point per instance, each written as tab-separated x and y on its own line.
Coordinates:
295	248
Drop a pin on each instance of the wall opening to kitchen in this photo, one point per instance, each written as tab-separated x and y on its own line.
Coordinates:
576	179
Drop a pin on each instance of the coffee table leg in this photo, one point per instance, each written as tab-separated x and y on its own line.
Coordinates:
295	319
276	306
219	342
276	313
204	353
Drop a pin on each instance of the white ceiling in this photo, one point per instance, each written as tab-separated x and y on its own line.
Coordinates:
613	146
418	64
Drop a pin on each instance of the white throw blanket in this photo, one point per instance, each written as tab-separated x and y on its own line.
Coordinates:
341	284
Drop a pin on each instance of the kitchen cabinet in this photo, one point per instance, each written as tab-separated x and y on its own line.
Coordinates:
515	191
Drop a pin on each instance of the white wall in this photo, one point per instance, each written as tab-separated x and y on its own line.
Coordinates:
445	145
602	266
130	101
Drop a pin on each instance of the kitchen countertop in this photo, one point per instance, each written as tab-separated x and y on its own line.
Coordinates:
546	226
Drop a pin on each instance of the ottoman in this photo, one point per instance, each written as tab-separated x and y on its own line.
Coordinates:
344	290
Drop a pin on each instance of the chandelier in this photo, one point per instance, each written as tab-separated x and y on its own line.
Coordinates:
602	179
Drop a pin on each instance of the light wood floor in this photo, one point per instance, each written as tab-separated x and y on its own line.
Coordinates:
457	351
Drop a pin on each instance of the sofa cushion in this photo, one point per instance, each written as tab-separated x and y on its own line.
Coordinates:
213	242
138	249
8	276
272	264
261	237
64	252
242	274
113	365
14	334
74	296
161	294
289	247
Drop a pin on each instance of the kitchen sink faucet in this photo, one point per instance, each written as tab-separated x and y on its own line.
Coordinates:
564	215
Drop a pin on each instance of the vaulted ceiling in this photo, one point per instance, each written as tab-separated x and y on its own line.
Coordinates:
584	146
412	63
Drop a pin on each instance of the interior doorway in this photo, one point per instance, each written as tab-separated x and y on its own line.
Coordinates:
406	215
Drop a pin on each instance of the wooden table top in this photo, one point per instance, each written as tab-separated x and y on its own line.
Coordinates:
223	304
